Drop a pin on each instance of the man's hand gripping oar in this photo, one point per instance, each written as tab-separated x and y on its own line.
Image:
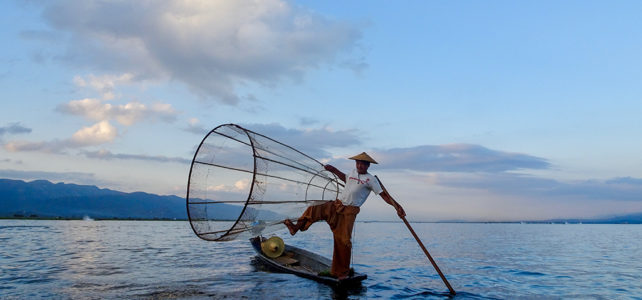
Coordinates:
402	214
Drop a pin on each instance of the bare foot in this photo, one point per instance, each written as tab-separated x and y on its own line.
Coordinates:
291	227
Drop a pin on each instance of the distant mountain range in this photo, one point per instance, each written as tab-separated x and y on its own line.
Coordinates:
635	218
43	199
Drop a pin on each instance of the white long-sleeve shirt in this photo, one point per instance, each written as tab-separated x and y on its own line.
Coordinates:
358	187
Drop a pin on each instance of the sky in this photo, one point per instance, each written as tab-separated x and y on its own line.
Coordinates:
475	110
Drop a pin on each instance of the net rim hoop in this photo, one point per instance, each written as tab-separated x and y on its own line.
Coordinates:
254	156
189	179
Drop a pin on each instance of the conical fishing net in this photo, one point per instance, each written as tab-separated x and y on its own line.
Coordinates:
242	183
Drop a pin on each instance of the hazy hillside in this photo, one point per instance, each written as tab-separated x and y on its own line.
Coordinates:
635	218
45	199
41	198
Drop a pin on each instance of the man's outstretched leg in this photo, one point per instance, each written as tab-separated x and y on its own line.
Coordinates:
312	214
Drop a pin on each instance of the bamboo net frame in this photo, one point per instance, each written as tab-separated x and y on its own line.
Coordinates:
242	183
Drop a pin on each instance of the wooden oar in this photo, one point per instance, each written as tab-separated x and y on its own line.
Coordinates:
434	264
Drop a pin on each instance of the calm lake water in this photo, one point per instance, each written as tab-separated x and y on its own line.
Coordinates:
165	260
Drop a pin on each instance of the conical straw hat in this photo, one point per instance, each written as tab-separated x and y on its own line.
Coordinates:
363	156
273	247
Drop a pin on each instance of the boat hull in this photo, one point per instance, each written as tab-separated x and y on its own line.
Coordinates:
305	264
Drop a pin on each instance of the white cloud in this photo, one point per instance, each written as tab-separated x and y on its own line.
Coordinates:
89	136
241	185
129	113
104	84
99	133
53	146
238	186
217	188
89	108
210	46
125	114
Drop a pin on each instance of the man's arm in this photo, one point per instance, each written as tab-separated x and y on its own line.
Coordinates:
386	197
336	171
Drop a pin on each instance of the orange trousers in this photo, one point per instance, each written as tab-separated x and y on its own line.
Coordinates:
341	220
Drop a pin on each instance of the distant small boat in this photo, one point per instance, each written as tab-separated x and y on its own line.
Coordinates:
306	264
87	218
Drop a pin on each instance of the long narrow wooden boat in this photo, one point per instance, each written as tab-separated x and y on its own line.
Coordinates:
306	264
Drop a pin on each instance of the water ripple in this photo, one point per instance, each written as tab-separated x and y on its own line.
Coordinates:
159	260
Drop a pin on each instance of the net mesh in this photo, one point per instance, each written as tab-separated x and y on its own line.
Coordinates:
242	183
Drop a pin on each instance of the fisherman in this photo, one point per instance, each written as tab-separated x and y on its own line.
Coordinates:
341	213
